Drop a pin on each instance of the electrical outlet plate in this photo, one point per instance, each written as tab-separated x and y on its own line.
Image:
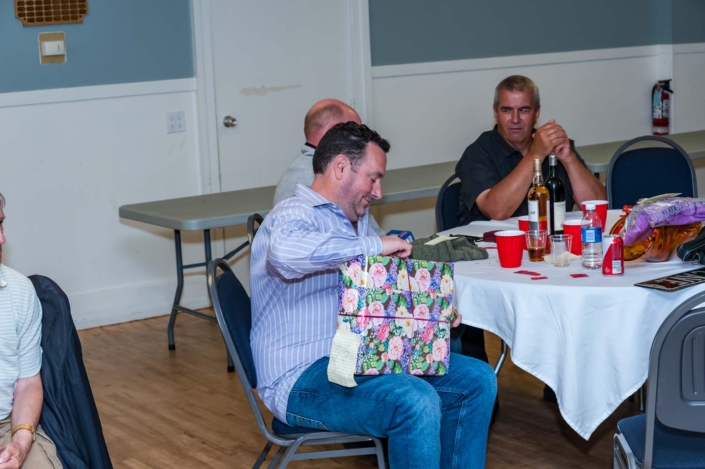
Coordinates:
175	122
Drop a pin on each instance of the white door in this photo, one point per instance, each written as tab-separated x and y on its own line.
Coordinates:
272	60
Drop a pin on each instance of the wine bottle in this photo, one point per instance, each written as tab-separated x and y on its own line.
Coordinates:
539	218
556	192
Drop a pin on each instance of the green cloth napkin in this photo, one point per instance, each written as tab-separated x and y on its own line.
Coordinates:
453	250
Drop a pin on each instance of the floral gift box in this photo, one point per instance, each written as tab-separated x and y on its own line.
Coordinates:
402	310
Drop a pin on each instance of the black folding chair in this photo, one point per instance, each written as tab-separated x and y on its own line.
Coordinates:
233	312
447	210
448	204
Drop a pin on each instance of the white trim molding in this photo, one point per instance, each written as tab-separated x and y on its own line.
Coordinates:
205	97
85	93
361	58
490	63
694	48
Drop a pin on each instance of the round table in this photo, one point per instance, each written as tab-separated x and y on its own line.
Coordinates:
588	338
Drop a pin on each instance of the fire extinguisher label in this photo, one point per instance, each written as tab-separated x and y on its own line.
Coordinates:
657	105
664	108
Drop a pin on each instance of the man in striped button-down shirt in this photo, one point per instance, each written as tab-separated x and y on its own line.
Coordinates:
431	422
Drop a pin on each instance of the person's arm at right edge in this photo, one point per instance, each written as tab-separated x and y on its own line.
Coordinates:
501	201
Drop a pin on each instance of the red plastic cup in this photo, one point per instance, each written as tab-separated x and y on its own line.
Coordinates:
600	209
510	245
572	227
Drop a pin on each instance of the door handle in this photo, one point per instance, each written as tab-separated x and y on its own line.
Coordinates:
229	121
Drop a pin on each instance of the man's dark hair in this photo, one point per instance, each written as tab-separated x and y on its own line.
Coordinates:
349	139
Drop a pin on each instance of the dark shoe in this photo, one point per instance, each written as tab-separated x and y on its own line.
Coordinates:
549	395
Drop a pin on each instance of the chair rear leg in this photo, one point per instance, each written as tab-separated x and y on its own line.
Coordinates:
379	451
262	455
277	457
289	456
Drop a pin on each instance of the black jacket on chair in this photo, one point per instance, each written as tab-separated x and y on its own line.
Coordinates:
69	415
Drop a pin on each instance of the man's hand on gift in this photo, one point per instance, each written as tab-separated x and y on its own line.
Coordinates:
456	321
395	246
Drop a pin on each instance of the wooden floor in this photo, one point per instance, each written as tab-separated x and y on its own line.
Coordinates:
182	409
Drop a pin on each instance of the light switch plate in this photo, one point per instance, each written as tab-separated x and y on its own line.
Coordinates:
49	38
53	48
175	122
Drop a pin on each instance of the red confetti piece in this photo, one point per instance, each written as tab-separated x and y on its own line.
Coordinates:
578	275
527	272
539	278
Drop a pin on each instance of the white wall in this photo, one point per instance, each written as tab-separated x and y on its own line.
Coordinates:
689	83
432	111
69	158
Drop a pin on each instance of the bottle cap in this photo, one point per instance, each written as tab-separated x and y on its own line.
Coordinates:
589	206
552	160
537	165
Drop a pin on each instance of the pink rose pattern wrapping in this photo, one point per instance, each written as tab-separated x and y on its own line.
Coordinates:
402	309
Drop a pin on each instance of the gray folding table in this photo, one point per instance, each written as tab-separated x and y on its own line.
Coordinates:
205	212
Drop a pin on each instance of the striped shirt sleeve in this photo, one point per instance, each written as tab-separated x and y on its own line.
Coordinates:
296	249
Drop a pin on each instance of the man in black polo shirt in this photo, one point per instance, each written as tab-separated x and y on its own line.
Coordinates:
496	171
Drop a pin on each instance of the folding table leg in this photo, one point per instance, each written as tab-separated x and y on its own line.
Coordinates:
180	267
179	289
207	245
501	358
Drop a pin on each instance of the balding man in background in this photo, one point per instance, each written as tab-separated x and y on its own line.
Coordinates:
320	118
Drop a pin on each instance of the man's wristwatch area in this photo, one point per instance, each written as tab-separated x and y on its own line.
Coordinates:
23	426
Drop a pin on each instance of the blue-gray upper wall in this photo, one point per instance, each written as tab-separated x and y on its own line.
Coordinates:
414	31
688	21
119	41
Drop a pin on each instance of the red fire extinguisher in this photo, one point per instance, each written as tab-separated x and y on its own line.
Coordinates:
661	106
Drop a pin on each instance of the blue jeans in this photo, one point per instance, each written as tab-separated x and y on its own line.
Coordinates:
431	422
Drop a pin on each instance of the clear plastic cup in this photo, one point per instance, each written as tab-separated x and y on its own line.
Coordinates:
560	249
536	245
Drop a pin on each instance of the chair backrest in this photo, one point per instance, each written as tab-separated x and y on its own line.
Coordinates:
646	172
253	223
233	311
448	204
676	389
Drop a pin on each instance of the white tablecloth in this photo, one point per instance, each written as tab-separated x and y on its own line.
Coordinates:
588	338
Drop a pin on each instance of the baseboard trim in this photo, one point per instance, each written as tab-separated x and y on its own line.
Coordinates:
134	302
84	93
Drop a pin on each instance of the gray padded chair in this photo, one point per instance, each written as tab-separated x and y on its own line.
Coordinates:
646	172
671	434
233	312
